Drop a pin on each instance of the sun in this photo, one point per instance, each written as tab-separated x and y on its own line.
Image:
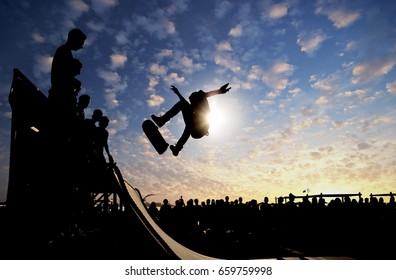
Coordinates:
217	119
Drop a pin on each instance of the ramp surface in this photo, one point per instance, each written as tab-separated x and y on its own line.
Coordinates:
134	204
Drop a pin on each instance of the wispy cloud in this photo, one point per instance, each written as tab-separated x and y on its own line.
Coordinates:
96	26
340	16
224	46
276	77
38	38
236	31
155	100
367	71
115	84
76	9
311	43
101	6
228	62
42	66
118	60
222	8
276	11
328	83
391	87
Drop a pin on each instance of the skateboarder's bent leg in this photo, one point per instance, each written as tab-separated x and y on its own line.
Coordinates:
182	106
183	139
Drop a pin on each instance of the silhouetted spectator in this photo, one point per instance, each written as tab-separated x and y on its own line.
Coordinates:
79	138
89	134
265	205
165	213
101	136
82	104
64	86
153	211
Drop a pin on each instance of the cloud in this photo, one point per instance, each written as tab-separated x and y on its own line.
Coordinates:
42	65
310	44
339	124
155	100
391	87
122	38
184	62
266	102
119	123
157	69
95	26
164	53
222	8
327	84
295	92
111	98
77	8
100	6
109	77
306	110
340	17
372	70
227	62
363	146
272	95
174	78
118	60
322	100
38	38
316	155
159	22
153	82
277	11
115	84
276	76
224	46
255	73
236	31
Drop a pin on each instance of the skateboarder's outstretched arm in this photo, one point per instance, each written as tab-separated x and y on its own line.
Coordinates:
176	91
221	90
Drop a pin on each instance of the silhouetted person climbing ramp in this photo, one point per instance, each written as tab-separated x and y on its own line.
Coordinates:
194	115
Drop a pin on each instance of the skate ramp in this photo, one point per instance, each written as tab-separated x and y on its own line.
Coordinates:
133	203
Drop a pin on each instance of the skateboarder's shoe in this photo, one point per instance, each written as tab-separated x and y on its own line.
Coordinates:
175	150
159	121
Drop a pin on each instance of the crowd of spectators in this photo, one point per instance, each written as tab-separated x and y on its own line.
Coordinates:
360	228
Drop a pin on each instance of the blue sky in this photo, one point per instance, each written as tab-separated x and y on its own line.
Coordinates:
312	104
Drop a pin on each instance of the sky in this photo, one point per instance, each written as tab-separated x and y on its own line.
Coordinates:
311	109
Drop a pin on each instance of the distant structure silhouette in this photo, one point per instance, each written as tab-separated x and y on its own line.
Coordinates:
194	115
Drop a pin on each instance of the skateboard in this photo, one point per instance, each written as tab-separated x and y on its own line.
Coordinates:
154	136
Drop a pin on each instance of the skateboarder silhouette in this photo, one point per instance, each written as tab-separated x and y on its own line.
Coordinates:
194	113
